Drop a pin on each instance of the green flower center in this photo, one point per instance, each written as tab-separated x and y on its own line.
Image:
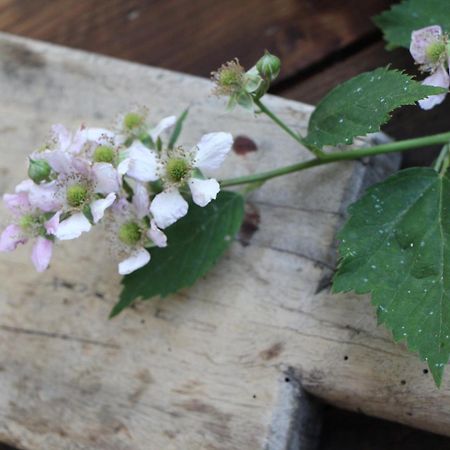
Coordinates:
104	153
130	233
132	120
229	77
77	195
177	169
27	222
434	51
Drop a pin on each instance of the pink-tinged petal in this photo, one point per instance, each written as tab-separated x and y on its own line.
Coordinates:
41	196
421	40
143	163
203	191
11	237
17	203
42	253
212	150
141	201
440	78
136	260
168	207
121	206
123	166
51	226
81	166
73	227
98	207
60	161
156	235
163	125
106	178
99	135
79	139
63	136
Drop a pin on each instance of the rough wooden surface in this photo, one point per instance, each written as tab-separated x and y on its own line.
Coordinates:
196	36
209	368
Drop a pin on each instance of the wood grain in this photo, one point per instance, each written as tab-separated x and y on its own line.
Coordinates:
196	36
209	368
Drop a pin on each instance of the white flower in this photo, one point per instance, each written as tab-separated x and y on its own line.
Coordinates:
140	162
133	235
429	50
179	167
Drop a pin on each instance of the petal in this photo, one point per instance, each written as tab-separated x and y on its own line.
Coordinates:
73	227
42	253
52	224
136	260
106	178
98	207
162	126
11	237
99	135
41	196
156	235
212	149
63	136
59	160
421	39
440	78
78	141
143	163
141	201
203	191
17	203
123	166
168	207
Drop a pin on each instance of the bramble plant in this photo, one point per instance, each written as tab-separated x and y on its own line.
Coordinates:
156	201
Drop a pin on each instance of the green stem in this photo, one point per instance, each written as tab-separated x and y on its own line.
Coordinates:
437	166
264	109
391	147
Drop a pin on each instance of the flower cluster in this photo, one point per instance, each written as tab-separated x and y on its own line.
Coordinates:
429	48
243	88
125	178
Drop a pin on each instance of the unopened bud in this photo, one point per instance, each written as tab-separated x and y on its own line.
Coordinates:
269	66
39	170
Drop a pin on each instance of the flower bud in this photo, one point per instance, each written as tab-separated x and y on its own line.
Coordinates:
39	170
269	66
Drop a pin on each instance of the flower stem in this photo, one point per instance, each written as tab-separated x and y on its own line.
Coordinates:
391	147
440	163
264	109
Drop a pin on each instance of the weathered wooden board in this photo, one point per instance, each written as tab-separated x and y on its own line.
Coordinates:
196	36
217	366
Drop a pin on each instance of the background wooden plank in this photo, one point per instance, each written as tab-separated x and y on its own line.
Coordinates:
196	36
209	366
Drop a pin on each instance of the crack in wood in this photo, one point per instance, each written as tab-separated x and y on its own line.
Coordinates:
64	337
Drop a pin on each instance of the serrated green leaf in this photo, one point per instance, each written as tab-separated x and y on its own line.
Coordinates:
396	246
195	243
361	105
177	129
402	19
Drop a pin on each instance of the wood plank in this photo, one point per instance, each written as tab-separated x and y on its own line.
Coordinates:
216	366
196	36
